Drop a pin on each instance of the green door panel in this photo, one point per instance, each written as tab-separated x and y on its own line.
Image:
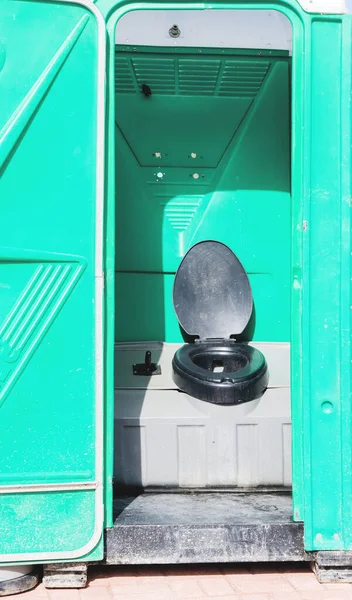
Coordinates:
25	517
206	156
50	395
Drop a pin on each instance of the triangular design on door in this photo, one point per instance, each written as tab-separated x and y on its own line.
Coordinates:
32	314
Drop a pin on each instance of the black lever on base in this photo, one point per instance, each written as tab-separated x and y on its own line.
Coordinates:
147	368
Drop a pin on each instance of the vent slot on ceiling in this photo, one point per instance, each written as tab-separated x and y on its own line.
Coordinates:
190	76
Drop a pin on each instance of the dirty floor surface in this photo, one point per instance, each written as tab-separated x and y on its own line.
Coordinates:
231	582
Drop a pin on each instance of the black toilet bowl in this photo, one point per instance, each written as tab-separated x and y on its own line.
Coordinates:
220	372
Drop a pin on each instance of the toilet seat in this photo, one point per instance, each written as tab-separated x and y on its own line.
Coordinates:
213	301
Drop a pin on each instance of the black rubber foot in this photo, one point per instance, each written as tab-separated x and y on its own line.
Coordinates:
18	585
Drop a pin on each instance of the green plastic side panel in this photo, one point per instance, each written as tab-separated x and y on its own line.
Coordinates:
206	156
327	281
47	278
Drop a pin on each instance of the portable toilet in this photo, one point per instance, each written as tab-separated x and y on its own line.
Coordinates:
175	285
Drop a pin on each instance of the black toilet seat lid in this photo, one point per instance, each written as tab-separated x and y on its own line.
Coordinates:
212	295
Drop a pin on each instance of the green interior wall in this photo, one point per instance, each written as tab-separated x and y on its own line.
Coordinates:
231	110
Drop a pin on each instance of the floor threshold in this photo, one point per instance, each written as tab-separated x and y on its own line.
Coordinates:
204	527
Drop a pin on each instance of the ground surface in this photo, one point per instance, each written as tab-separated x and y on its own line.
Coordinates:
232	582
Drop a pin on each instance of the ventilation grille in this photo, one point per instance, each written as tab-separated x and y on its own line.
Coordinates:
158	73
198	77
123	76
201	76
242	78
180	212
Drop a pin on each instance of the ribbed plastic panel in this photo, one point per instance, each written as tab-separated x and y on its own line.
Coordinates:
158	73
242	78
198	75
165	438
180	212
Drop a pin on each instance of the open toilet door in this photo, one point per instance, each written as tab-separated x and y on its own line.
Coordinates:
52	69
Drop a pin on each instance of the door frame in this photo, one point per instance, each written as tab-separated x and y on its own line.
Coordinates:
114	11
327	521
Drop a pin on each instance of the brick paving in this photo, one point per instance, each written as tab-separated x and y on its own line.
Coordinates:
211	582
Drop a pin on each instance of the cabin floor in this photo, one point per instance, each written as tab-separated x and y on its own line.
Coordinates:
204	527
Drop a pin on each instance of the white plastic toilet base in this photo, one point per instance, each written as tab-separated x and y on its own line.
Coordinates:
7	573
17	579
